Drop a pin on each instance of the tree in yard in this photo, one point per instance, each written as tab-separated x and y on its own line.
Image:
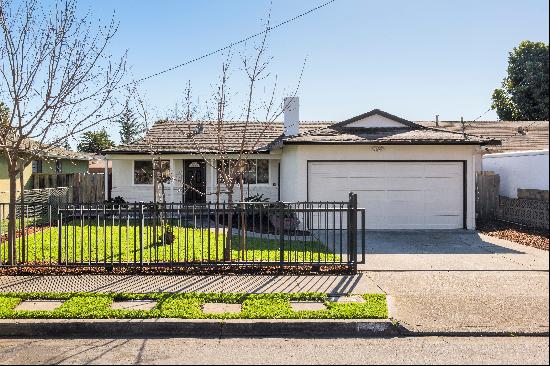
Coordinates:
95	141
235	150
56	79
130	127
525	91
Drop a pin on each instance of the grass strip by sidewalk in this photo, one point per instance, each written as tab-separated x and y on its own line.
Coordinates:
189	306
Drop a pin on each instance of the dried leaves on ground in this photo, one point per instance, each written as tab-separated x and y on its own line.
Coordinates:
537	238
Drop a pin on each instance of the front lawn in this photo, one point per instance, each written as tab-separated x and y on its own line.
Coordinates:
189	306
88	242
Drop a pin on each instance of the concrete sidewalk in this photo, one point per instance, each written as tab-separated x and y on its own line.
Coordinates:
330	284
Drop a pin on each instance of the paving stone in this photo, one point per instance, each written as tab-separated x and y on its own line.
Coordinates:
346	299
307	306
218	308
134	305
47	305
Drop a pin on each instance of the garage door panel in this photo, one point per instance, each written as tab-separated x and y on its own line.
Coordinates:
396	195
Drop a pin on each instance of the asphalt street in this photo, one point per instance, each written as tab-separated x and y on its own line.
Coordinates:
411	350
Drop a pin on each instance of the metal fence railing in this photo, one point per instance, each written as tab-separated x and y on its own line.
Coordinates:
174	234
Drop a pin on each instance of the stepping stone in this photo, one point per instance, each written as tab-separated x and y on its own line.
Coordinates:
307	306
134	305
346	299
44	305
219	308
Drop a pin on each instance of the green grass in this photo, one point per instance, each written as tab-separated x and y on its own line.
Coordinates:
188	306
88	242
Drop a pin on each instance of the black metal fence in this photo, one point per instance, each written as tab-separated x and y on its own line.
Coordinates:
146	234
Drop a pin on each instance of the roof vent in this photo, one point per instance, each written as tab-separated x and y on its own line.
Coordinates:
198	129
522	130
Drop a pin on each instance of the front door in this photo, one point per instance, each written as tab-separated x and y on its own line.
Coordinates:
195	181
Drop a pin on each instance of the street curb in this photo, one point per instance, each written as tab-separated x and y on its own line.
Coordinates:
196	328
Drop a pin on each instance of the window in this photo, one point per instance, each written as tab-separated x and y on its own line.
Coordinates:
58	167
256	171
143	171
37	166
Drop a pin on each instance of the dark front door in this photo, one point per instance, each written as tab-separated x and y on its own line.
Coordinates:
195	181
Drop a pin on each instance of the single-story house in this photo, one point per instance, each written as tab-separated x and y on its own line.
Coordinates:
54	160
406	175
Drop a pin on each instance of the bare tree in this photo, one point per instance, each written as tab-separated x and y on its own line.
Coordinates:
56	78
233	158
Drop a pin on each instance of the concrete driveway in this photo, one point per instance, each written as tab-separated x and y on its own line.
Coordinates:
459	281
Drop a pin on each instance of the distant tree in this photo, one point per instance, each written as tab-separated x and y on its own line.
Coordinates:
95	141
130	127
525	93
4	114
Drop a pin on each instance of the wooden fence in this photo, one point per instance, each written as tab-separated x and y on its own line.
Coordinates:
529	209
487	195
83	187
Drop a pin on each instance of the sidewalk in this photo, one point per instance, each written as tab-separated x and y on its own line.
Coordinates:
330	284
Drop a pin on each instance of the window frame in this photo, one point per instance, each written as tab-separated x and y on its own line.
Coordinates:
255	163
152	180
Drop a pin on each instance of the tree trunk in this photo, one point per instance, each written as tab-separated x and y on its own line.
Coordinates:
229	237
12	220
22	218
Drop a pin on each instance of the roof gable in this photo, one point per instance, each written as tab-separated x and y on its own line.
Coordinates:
376	119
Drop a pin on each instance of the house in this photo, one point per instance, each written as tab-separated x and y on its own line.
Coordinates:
521	159
406	175
54	160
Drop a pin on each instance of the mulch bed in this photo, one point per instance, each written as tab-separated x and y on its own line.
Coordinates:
537	238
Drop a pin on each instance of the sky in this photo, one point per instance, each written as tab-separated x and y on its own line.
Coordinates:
414	59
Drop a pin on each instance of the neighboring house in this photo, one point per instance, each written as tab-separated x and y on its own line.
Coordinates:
407	176
52	161
97	165
514	135
519	170
522	158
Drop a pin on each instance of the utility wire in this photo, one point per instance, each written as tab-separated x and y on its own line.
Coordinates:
268	29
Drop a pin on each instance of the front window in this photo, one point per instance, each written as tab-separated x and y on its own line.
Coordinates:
58	167
143	171
255	171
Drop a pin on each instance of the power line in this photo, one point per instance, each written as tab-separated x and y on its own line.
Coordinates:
268	29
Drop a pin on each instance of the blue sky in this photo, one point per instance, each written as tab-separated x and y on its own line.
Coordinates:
414	59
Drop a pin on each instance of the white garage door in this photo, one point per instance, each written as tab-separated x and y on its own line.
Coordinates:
396	195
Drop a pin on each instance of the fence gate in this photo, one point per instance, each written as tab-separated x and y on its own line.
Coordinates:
487	195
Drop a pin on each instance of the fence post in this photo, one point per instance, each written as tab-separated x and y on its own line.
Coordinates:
141	223
352	232
281	215
59	236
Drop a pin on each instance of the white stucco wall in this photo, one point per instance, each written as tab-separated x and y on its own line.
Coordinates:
524	169
295	157
123	180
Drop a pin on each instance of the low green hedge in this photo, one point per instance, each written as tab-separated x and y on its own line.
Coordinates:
188	306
